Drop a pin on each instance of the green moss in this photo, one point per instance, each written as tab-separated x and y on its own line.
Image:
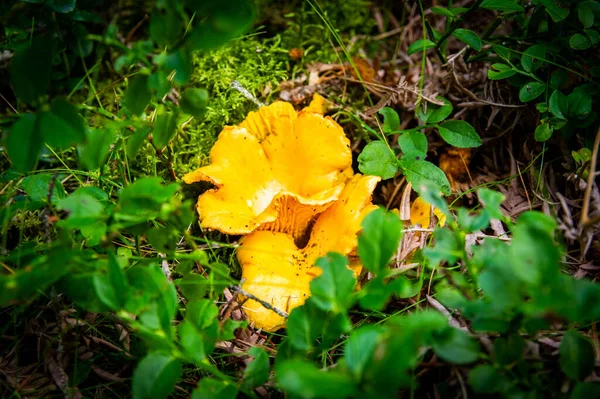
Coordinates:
259	65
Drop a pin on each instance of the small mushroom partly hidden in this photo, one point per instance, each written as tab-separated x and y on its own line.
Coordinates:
420	213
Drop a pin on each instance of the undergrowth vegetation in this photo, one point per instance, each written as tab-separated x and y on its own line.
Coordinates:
136	262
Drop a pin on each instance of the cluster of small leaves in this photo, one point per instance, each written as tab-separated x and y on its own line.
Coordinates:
379	159
548	56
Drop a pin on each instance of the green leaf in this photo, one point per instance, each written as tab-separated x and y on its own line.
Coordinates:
137	139
31	69
558	104
580	104
531	91
446	248
24	142
585	13
577	355
83	209
510	349
223	22
37	188
455	346
593	35
420	45
556	12
381	233
459	134
202	313
580	42
468	37
193	102
61	6
391	120
586	390
198	343
360	347
543	131
491	201
501	5
62	126
502	52
165	25
165	127
378	160
485	379
442	11
412	142
533	58
159	83
303	379
41	272
96	148
138	94
257	371
417	172
111	287
436	113
500	71
181	62
210	388
332	290
155	376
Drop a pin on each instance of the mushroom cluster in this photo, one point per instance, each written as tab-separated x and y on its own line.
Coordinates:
284	180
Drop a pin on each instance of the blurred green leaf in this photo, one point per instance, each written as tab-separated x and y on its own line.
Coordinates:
484	379
455	346
257	371
62	126
303	379
138	94
222	22
24	142
37	188
31	69
500	71
501	5
332	290
193	102
468	37
155	376
381	233
420	45
111	286
577	355
96	148
210	388
165	127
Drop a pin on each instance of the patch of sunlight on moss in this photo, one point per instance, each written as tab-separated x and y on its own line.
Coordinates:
259	65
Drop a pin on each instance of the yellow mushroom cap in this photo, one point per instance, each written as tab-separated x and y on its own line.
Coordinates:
276	271
276	160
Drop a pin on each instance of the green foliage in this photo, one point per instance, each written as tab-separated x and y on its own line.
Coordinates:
546	57
380	159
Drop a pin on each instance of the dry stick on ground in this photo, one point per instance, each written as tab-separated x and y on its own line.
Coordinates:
585	220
